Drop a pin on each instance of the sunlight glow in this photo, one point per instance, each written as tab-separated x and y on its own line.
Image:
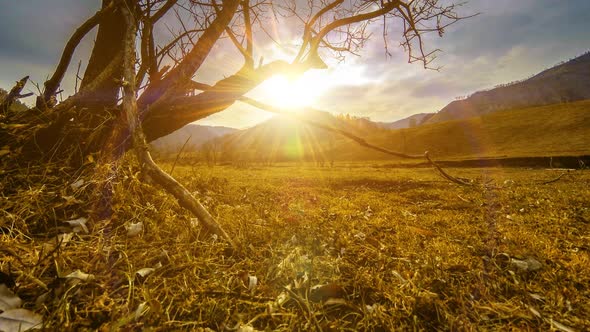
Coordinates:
291	94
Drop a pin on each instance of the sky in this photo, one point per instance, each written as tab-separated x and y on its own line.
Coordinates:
509	40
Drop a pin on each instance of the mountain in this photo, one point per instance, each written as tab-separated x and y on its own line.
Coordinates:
283	138
566	82
554	130
411	121
198	135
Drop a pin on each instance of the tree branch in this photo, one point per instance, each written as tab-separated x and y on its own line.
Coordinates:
53	83
129	106
163	10
13	95
173	114
387	7
309	27
248	32
158	92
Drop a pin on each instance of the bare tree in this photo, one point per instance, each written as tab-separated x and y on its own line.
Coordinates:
154	92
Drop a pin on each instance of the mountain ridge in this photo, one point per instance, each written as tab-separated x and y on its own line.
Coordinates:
196	135
565	82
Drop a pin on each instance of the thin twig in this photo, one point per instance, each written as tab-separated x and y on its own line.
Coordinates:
555	179
178	155
13	95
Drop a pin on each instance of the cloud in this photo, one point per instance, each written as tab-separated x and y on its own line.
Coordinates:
509	40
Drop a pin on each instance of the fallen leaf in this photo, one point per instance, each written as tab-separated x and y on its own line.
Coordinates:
246	328
325	292
79	225
134	229
15	320
64	238
421	231
77	184
527	265
252	282
142	308
372	308
282	298
8	300
80	275
146	271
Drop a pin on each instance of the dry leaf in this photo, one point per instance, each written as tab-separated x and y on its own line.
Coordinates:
421	231
252	282
15	320
77	184
142	308
146	271
333	301
282	298
325	292
246	328
134	229
64	238
8	300
80	275
79	225
526	265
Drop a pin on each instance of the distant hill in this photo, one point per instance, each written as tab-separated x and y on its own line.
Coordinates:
284	139
554	130
567	82
198	135
411	121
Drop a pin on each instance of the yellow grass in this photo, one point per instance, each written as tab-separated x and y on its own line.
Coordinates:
343	248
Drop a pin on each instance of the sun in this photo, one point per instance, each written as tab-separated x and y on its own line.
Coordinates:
291	94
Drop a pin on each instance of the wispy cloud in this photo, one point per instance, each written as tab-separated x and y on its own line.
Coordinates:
509	40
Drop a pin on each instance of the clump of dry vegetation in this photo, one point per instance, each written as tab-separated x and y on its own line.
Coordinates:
344	248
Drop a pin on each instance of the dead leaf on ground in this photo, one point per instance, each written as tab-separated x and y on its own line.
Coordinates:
78	225
325	292
77	184
527	265
421	231
80	276
15	320
134	229
8	300
146	271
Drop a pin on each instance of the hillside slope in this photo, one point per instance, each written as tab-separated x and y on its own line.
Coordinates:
284	139
410	121
554	130
566	82
198	135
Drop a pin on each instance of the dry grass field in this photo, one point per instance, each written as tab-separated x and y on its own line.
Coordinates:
351	247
